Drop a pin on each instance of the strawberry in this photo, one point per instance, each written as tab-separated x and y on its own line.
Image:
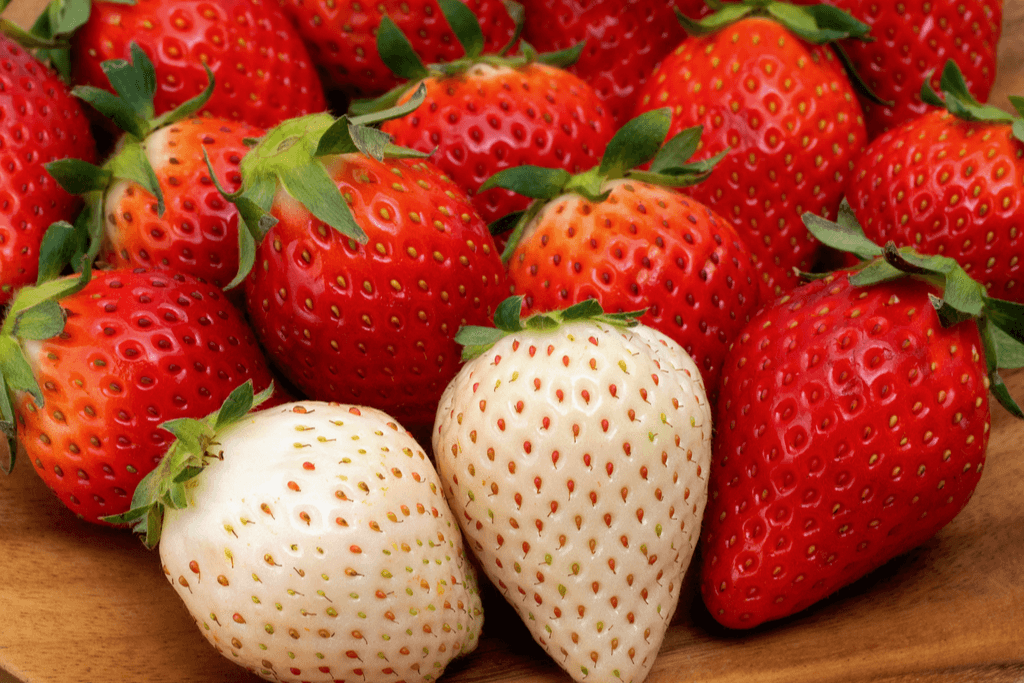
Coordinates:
950	182
574	448
93	364
367	265
486	113
40	122
263	69
624	41
912	41
312	541
763	85
626	238
852	426
341	37
153	204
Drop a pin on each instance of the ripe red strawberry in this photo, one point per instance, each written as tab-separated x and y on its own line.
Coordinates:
152	203
950	181
39	122
852	425
912	42
93	368
485	113
341	37
627	239
782	104
358	300
624	40
263	69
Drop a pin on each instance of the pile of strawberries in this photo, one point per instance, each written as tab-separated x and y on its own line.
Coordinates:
350	306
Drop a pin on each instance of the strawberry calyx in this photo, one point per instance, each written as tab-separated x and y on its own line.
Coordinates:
131	109
50	34
398	54
1000	322
476	339
958	101
193	448
291	156
819	24
638	141
34	314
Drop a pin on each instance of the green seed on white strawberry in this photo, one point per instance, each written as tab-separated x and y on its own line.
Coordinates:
574	451
315	544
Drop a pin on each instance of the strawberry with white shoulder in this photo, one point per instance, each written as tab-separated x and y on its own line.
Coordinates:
574	448
311	542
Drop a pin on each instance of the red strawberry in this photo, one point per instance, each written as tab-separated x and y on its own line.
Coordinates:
486	113
852	425
912	41
93	368
950	182
263	69
359	300
157	206
198	233
39	122
624	40
783	106
342	36
627	239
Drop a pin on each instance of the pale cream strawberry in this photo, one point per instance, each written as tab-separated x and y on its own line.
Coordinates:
575	456
316	545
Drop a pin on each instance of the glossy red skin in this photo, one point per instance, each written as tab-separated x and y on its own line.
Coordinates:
262	68
40	122
484	121
910	43
624	40
645	247
139	348
198	231
952	187
770	177
374	324
851	427
342	37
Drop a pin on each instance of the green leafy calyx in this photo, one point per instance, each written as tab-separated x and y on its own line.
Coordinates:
817	24
131	108
476	339
292	156
1000	323
34	314
959	101
637	142
194	447
400	57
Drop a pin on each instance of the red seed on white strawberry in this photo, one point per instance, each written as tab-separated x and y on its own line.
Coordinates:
575	457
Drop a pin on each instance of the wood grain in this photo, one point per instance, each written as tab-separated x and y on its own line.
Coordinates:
81	604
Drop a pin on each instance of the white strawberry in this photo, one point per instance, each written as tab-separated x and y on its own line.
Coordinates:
574	450
315	544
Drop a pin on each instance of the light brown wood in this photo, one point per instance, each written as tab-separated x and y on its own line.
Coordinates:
81	604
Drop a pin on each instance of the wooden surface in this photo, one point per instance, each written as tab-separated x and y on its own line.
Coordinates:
81	604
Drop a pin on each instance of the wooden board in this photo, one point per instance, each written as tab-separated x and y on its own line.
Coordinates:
81	604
